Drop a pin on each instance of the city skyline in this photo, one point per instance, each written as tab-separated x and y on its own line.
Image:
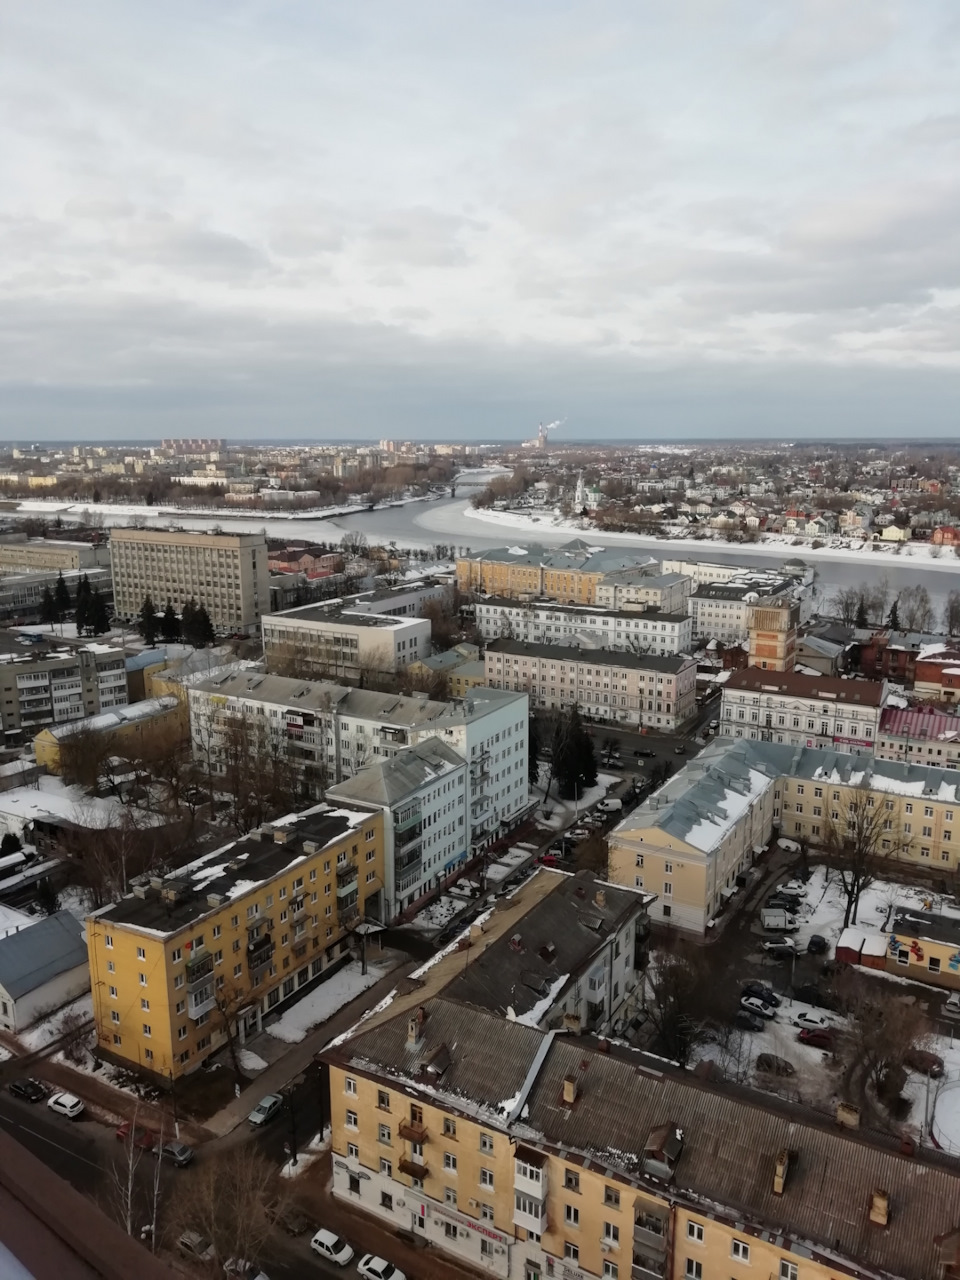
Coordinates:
452	224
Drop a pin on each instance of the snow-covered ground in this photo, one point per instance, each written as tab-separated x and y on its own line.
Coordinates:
564	812
251	1061
513	858
782	545
323	1002
41	1033
438	913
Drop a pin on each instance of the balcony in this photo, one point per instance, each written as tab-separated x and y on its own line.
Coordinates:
413	819
413	1167
199	969
201	1002
650	1230
346	875
647	1269
297	907
409	840
530	1214
259	953
413	1130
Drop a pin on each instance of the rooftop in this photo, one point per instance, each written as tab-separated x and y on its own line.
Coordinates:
317	614
742	588
34	955
388	780
565	653
586	557
928	925
792	684
579	610
115	719
926	723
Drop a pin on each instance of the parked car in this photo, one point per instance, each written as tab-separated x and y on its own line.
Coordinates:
772	1065
745	1021
242	1269
266	1109
331	1247
810	993
66	1104
644	753
818	1038
796	887
781	945
581	833
193	1245
177	1153
375	1268
679	749
753	1004
142	1138
762	992
811	1020
552	860
27	1089
924	1063
776	902
952	1007
817	944
714	726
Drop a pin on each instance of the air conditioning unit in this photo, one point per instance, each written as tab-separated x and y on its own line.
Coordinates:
604	1247
401	1204
472	1203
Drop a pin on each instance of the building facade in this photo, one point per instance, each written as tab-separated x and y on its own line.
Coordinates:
568	574
544	622
224	572
58	686
919	735
51	555
809	711
721	610
644	588
627	688
772	636
318	642
188	960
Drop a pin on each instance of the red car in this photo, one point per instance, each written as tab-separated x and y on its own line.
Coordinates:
818	1037
142	1138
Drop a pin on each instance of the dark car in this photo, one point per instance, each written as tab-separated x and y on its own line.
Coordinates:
810	993
680	750
748	1021
925	1063
176	1153
762	992
817	946
818	1037
289	1217
776	903
644	753
28	1090
775	1066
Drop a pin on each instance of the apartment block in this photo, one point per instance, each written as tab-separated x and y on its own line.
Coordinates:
52	687
644	588
333	731
225	572
543	622
809	711
230	938
317	642
628	688
919	735
721	610
569	574
422	793
528	1154
51	555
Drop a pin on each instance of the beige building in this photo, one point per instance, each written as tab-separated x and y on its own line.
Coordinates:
919	735
643	629
628	688
569	573
318	642
58	686
528	1154
808	711
772	636
225	572
50	554
644	588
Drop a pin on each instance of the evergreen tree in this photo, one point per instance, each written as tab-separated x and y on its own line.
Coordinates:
61	598
894	620
47	897
533	752
188	621
861	619
81	615
170	623
147	624
48	608
10	843
574	761
98	618
204	628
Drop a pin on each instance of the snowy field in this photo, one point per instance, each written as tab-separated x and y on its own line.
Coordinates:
323	1002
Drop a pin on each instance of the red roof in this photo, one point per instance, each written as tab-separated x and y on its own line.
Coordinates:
925	723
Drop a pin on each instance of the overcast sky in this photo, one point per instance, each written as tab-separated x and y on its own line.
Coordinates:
277	219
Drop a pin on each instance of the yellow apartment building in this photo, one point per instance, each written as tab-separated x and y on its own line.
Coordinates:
569	574
528	1154
140	727
188	960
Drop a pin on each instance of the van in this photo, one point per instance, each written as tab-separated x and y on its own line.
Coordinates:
610	805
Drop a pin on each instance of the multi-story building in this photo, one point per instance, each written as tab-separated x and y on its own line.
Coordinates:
224	572
628	688
52	555
936	676
21	594
38	689
569	573
544	622
127	731
693	840
318	642
644	588
406	600
332	731
530	1154
422	793
720	610
703	572
189	960
919	735
772	636
810	711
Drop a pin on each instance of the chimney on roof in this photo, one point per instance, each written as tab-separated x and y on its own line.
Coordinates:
600	898
569	1091
415	1028
880	1208
280	836
780	1172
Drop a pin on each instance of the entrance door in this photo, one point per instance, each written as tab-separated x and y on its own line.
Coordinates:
419	1222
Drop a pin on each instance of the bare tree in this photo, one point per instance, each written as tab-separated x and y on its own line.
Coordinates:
229	1000
886	1029
951	613
681	1001
845	603
914	609
226	1201
857	842
108	853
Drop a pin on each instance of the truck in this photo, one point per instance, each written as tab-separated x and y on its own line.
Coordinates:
776	920
610	805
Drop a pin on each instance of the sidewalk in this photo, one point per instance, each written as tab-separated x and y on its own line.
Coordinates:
300	1055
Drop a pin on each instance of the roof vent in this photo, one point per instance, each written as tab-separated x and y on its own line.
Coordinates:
280	837
780	1172
156	882
214	899
600	898
310	846
848	1116
266	832
880	1208
139	890
569	1091
415	1028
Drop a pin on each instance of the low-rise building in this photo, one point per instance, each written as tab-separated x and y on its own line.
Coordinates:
924	946
937	676
811	711
545	622
644	588
192	959
134	730
22	594
422	792
628	688
721	610
569	574
54	686
42	968
318	642
919	735
52	555
528	1154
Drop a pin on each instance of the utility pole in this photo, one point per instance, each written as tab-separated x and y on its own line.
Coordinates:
291	1146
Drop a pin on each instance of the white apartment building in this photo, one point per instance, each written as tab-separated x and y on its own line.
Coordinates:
406	600
225	572
632	588
422	793
543	622
801	710
333	731
720	610
702	571
626	688
342	644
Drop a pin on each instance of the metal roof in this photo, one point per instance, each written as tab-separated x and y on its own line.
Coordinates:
40	952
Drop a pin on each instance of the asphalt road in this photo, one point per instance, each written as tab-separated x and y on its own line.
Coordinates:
72	1148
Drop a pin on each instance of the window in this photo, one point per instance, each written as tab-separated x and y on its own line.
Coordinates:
571	1251
740	1250
351	1120
353	1153
486	1212
145	1006
668	868
114	1016
450	1196
695	1231
486	1142
693	1269
486	1247
486	1177
146	1029
113	993
571	1215
383	1134
611	1233
112	968
611	1197
450	1162
450	1230
788	1270
141	954
108	940
386	1200
571	1180
450	1127
383	1100
610	1270
934	964
143	979
175	955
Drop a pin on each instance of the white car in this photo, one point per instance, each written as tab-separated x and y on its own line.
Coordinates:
952	1007
753	1004
796	888
779	944
265	1109
66	1104
330	1246
811	1019
375	1268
